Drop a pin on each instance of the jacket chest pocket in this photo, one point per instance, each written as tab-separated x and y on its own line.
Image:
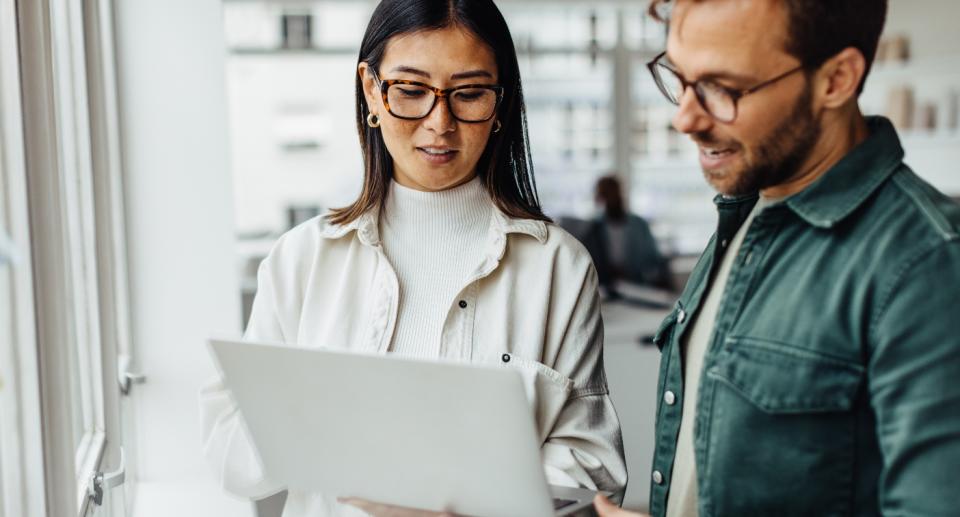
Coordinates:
781	430
547	390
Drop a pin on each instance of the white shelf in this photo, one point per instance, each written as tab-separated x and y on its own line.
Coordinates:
945	65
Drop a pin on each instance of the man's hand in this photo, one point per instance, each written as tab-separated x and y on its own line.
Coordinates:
385	510
607	509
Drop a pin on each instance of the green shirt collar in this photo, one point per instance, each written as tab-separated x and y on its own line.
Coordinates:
843	188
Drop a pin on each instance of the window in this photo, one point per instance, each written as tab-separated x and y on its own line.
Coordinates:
60	170
297	31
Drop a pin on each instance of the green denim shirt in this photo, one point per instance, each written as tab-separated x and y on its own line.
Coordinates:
831	384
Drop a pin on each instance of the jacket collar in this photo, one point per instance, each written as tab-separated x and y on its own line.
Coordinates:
365	226
505	224
848	184
501	225
840	191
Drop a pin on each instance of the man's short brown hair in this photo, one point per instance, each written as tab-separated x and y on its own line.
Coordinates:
819	29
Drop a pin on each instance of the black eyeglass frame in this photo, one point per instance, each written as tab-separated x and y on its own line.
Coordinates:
734	94
437	94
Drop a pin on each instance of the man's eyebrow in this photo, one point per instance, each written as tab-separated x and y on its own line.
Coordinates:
727	76
715	75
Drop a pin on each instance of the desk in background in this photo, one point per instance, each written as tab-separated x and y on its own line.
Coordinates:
632	369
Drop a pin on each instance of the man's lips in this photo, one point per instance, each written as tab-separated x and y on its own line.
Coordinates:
716	157
716	152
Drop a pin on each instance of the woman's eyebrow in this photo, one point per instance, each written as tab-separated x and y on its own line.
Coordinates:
411	70
461	75
472	74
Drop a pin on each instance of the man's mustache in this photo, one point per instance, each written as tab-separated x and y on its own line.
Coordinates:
707	139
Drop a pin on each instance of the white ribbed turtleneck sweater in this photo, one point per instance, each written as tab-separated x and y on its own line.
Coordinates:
433	240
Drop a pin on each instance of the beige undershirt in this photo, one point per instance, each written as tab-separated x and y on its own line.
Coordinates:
682	498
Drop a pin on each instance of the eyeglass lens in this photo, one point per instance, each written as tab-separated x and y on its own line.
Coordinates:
714	98
469	104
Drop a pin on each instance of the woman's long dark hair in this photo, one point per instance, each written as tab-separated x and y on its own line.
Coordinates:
504	167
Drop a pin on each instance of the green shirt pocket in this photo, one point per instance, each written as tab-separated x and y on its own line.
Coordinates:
780	378
781	429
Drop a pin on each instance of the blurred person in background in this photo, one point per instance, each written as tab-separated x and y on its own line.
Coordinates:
621	244
810	366
445	254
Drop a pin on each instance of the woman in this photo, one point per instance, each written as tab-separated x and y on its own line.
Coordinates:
445	254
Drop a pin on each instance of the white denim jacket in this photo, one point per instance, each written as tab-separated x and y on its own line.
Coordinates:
533	295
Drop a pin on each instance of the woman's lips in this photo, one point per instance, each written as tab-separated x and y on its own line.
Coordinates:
437	156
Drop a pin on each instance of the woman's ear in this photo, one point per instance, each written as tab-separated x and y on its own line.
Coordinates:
370	89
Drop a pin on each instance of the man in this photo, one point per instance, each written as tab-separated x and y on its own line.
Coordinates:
812	365
622	246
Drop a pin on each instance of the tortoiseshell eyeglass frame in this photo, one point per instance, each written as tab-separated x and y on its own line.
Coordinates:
437	94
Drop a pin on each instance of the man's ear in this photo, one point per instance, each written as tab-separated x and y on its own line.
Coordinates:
838	79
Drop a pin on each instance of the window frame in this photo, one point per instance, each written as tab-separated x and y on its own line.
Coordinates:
73	198
22	460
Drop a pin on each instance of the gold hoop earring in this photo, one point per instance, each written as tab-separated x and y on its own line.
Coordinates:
497	126
373	120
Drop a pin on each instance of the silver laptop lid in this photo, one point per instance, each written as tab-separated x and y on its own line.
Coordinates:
429	435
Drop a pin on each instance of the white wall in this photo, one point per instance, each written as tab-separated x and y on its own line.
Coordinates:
933	75
931	24
276	99
282	98
180	233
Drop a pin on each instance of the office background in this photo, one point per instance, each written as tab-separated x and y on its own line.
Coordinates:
226	122
593	110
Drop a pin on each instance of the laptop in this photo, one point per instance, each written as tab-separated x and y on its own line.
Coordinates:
435	436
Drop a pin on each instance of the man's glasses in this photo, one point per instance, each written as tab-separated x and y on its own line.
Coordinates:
717	100
411	100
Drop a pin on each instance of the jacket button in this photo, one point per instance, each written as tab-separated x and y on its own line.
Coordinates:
670	398
462	304
505	358
657	477
682	316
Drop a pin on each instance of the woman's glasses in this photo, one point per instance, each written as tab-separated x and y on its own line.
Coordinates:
411	100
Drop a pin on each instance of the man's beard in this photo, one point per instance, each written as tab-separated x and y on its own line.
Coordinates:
779	157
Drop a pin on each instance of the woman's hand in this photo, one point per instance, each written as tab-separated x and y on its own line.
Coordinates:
604	509
385	510
607	509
